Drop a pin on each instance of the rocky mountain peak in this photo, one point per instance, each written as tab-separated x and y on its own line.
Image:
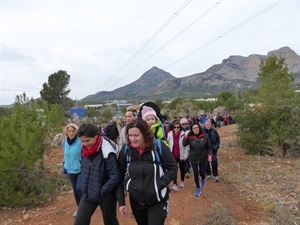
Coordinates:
233	74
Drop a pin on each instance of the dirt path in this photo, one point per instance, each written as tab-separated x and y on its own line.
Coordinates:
185	208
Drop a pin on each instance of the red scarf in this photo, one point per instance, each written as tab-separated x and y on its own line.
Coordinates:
87	152
139	150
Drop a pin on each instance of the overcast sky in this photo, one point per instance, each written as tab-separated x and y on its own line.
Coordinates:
104	45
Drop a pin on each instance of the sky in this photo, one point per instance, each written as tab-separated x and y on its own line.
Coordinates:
104	45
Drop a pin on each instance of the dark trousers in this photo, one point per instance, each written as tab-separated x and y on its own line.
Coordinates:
108	206
214	165
150	215
196	167
182	165
75	181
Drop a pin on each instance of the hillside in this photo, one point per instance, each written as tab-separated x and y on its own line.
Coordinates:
249	187
233	74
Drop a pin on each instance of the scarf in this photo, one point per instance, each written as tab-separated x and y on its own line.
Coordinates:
71	141
88	152
139	150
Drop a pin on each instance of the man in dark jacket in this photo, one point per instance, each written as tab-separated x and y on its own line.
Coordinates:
112	131
215	143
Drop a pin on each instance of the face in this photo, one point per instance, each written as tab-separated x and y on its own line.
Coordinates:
196	129
71	132
150	120
176	128
88	141
129	117
184	125
136	137
207	126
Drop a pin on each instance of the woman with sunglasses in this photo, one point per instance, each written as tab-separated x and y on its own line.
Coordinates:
179	152
200	152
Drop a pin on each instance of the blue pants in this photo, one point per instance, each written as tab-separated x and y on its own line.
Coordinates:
75	181
196	167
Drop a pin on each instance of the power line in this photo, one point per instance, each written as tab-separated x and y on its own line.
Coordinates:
126	30
176	36
227	32
182	7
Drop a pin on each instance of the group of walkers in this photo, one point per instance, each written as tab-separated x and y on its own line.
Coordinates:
144	166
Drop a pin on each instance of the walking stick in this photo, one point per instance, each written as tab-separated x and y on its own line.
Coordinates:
210	166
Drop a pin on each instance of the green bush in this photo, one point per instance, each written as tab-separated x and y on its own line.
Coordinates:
22	173
269	122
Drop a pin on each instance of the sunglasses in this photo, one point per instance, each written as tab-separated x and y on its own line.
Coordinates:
176	127
184	124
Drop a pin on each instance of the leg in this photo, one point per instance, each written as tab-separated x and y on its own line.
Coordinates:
215	165
77	195
182	165
208	172
203	169
175	179
195	168
139	212
85	211
158	213
108	206
78	187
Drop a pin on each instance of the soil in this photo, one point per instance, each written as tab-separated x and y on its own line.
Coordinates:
237	194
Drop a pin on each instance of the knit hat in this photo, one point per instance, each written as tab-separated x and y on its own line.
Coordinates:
183	120
146	111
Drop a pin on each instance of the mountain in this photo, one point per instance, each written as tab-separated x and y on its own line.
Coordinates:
234	73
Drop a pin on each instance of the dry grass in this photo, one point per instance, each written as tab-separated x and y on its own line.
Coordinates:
273	182
219	215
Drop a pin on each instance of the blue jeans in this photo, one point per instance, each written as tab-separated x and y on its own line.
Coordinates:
196	167
75	181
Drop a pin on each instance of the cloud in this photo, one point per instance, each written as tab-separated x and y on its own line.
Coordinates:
98	42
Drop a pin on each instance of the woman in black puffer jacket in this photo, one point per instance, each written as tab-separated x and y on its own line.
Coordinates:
100	176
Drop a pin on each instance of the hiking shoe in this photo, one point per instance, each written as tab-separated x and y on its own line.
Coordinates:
75	213
174	188
181	184
208	177
197	192
203	183
187	175
216	179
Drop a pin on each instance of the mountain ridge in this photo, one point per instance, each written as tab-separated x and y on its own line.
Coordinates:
235	72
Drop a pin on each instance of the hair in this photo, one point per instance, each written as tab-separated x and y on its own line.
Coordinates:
207	121
141	124
177	122
71	125
200	129
134	112
88	130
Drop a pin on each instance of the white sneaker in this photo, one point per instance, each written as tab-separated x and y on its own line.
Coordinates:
181	184
75	213
174	188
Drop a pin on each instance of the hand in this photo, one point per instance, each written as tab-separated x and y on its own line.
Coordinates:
209	159
123	210
187	133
